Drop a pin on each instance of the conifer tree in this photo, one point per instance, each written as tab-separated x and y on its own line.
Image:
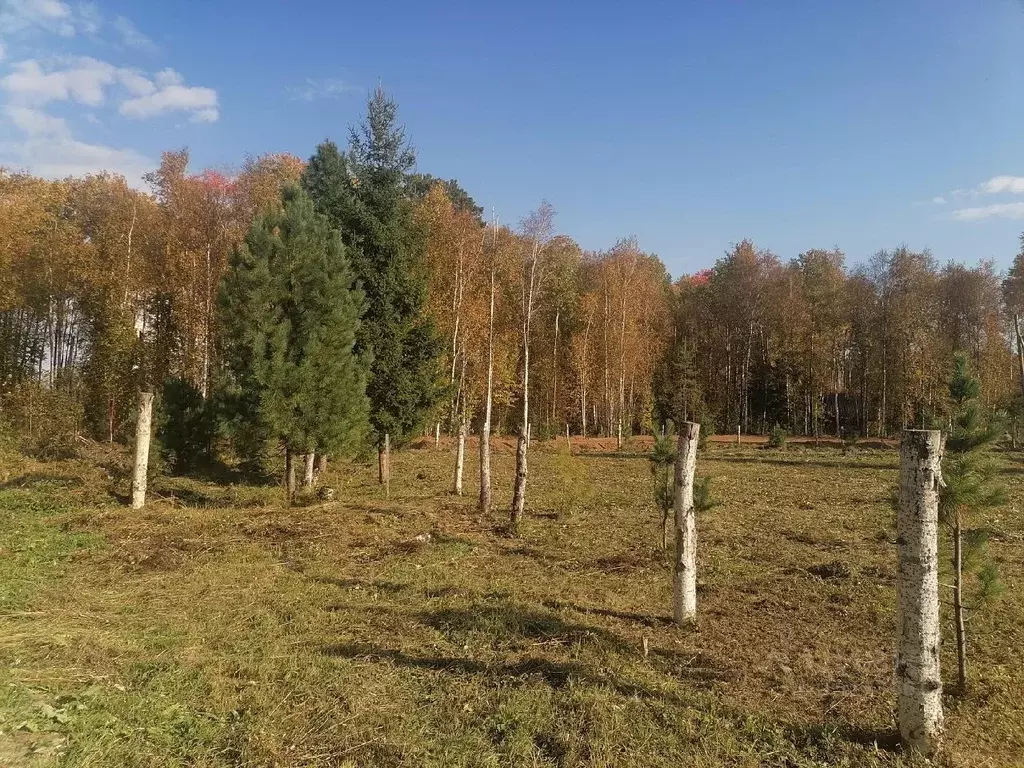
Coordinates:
363	193
290	313
969	488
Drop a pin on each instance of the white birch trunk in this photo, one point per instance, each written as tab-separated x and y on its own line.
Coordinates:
289	474
460	454
309	471
437	435
684	574
918	676
384	460
485	427
143	429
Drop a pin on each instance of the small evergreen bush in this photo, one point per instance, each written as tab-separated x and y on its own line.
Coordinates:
777	437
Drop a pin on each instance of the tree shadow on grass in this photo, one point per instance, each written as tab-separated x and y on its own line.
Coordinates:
378	585
31	480
647	619
509	621
821	736
837	464
555	674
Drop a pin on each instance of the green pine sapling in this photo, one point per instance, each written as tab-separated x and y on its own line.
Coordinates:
969	489
662	459
662	462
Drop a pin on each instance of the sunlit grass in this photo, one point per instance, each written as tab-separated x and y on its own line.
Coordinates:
219	627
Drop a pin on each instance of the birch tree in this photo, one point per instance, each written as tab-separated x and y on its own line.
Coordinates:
918	677
537	230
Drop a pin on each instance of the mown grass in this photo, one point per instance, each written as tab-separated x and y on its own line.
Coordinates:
218	627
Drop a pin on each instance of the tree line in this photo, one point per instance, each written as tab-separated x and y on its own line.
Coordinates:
457	320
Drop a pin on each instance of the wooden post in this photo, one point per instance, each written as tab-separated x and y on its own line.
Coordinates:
684	574
437	435
143	429
918	675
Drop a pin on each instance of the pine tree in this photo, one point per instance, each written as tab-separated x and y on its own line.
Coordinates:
678	396
290	314
363	193
663	459
969	478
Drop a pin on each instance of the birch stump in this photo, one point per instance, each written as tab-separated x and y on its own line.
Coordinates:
684	574
143	430
918	676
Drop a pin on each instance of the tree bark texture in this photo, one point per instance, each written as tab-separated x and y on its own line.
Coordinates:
309	471
918	674
684	573
143	430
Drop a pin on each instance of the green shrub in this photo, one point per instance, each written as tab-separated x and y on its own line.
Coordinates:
44	421
186	426
702	498
777	437
573	482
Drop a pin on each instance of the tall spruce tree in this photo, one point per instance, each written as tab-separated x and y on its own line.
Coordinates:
290	316
364	194
970	487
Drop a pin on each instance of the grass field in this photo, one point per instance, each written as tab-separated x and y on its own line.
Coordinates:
219	627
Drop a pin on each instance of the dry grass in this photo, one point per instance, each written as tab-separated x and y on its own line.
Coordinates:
219	628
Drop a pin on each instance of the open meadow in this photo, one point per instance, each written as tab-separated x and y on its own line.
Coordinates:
220	627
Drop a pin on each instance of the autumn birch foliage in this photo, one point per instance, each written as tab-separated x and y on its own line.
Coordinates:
918	676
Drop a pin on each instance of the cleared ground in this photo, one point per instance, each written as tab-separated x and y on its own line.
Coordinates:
218	627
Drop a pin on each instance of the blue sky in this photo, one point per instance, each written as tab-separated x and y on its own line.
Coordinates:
692	125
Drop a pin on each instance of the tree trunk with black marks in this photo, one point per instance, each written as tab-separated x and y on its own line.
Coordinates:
684	575
1020	349
309	471
289	474
484	501
384	464
958	605
143	430
918	674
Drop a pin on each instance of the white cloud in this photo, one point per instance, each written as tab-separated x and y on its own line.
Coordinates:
49	15
45	144
88	18
35	122
206	116
201	102
1000	184
131	36
997	210
939	200
55	157
168	77
83	82
136	82
312	89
